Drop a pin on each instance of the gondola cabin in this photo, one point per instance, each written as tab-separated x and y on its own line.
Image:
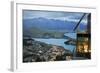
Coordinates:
83	45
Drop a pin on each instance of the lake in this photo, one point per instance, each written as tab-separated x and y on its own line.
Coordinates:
59	42
71	35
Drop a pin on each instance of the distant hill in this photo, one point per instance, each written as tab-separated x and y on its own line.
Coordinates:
49	25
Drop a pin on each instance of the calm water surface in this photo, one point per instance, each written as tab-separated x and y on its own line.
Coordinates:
59	42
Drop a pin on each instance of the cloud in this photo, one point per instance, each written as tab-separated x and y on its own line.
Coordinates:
64	16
